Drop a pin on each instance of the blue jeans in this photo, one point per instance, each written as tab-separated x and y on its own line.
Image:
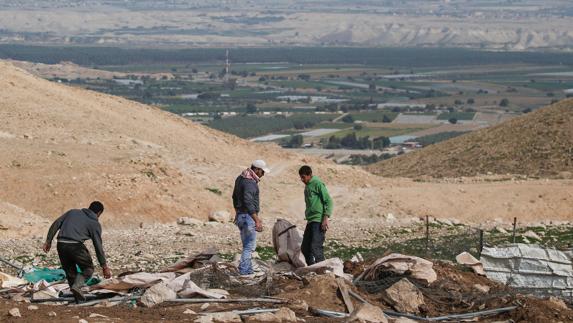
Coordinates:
246	225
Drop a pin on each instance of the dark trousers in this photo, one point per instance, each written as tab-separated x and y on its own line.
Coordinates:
72	254
312	242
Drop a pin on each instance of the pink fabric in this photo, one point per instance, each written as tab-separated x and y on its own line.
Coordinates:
250	174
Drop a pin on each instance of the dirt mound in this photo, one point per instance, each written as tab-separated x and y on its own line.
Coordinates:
537	144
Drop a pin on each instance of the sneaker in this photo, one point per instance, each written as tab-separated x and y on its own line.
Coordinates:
78	295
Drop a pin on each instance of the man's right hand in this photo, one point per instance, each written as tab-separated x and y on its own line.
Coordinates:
106	272
46	247
259	225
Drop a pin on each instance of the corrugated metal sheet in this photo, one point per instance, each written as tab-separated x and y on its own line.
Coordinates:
532	268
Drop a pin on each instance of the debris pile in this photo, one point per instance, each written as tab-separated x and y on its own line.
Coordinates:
394	288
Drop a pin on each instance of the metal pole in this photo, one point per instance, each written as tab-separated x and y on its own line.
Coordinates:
427	235
514	227
480	242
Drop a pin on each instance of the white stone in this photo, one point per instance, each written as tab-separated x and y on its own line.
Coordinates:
225	317
220	216
15	312
157	294
52	314
532	235
189	221
367	313
189	311
32	307
405	296
481	288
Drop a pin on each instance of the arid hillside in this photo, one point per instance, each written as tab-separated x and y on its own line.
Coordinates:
537	144
63	147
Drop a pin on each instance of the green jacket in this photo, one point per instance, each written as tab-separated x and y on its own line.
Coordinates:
317	200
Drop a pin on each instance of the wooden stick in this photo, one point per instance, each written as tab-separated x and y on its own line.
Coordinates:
344	292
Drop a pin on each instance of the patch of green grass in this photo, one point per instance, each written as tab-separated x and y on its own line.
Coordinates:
214	190
375	116
376	132
266	253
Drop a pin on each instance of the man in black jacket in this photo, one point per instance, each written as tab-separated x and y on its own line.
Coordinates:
246	203
77	226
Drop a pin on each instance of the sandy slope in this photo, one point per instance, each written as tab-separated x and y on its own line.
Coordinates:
63	147
538	144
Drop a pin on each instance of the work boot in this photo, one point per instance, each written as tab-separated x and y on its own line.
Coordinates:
76	288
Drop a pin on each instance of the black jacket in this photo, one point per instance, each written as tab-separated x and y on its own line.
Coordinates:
246	195
79	225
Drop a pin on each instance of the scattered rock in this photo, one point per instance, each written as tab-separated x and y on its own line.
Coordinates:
282	315
157	294
405	297
402	320
559	302
52	314
481	288
15	312
189	221
466	258
299	305
501	230
532	235
285	315
189	311
205	306
261	317
95	315
367	313
446	222
83	321
225	317
220	216
32	307
389	217
18	298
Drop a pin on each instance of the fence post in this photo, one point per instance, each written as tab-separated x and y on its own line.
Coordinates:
480	242
427	235
514	227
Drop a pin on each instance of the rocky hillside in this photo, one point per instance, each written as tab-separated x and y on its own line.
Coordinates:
63	147
537	144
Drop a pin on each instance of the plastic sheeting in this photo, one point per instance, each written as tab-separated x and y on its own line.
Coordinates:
532	268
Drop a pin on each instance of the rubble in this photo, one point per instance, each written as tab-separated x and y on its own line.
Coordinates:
465	258
15	312
400	264
189	221
158	294
284	315
405	297
220	216
225	317
367	313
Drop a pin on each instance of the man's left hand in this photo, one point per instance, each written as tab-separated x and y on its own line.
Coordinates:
324	225
106	272
46	247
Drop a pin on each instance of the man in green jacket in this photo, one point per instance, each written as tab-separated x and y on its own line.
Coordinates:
318	211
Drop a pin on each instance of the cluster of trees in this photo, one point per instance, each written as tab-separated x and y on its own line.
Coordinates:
366	160
390	57
351	141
